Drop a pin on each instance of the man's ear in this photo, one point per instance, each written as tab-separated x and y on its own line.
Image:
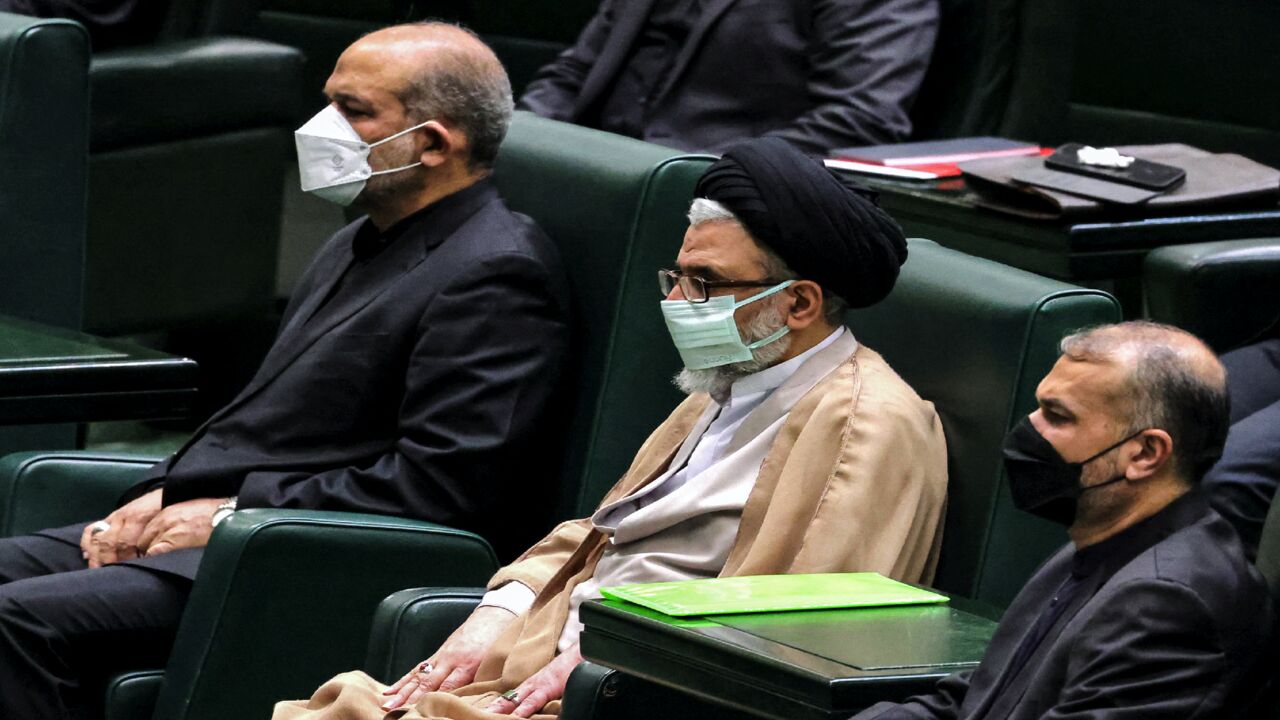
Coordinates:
1154	453
441	143
806	304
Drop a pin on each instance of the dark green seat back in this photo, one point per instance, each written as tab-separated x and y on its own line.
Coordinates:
615	208
1226	292
190	138
44	136
975	337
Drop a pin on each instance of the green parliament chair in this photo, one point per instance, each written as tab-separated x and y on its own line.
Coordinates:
44	145
1226	292
310	581
974	337
189	141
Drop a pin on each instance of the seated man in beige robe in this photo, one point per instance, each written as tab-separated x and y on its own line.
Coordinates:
799	450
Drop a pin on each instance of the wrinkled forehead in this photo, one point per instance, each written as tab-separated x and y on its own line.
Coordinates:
1086	387
379	68
720	244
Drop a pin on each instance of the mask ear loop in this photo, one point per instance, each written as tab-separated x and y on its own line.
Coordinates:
765	293
760	296
389	138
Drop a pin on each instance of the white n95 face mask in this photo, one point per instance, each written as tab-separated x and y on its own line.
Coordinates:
332	159
706	335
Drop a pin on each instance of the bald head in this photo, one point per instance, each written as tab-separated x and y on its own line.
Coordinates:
439	72
1168	379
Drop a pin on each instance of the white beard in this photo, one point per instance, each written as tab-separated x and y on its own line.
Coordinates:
716	381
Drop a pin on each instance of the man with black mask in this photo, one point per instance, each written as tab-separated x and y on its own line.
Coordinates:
1152	610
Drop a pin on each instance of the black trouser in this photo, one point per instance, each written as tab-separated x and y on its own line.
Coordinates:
1244	481
65	629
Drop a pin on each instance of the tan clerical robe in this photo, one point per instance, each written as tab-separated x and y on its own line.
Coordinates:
854	481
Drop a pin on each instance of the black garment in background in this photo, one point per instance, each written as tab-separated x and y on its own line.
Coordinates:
1242	484
412	376
625	108
60	644
1169	623
821	74
109	22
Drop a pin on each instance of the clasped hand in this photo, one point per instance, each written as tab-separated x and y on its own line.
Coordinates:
145	527
456	662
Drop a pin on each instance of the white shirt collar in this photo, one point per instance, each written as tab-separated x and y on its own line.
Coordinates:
768	379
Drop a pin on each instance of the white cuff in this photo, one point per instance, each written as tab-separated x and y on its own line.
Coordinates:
514	597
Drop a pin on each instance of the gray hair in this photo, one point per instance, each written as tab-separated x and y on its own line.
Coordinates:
1174	383
467	88
705	210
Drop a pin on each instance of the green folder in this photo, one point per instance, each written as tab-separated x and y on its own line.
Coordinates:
772	593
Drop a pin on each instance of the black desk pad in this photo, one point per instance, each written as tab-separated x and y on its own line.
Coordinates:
893	638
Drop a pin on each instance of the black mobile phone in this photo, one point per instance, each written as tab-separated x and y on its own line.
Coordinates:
1140	173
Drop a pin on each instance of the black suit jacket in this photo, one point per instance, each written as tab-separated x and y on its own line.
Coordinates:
1176	632
821	73
423	391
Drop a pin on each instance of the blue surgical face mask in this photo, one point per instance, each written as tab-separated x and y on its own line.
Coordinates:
706	335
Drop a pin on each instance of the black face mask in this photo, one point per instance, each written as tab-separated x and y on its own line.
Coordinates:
1042	483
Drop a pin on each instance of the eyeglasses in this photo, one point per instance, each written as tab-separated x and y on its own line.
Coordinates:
698	290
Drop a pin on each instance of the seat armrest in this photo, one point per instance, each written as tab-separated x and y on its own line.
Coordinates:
284	599
589	688
596	692
132	695
409	625
45	489
1227	292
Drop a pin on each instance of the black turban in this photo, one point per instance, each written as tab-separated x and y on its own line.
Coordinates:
826	229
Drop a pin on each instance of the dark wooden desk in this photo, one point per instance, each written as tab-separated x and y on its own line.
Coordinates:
1081	252
815	665
53	375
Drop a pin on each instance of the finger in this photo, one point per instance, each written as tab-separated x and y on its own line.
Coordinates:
401	696
501	706
532	704
459	677
85	538
106	547
394	688
152	530
161	547
416	695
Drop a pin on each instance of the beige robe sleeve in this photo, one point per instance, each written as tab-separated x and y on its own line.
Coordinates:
540	563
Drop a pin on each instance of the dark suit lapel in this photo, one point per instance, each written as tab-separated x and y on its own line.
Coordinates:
1018	684
707	19
308	325
383	272
617	48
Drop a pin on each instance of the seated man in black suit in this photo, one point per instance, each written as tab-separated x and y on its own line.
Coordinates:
411	376
1152	610
700	74
1242	484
